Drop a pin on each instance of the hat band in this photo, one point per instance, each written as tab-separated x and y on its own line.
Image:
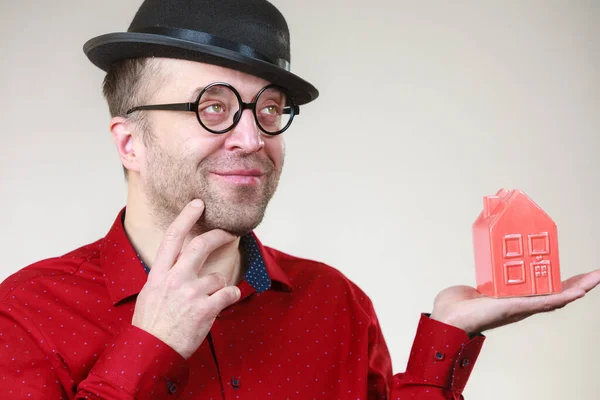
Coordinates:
212	40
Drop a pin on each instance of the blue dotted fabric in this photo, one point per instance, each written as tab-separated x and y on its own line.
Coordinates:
256	271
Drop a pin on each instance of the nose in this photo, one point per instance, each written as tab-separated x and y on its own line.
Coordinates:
246	135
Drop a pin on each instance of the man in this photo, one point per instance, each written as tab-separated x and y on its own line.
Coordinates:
181	299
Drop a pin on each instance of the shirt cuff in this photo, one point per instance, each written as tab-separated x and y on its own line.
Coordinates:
141	364
443	354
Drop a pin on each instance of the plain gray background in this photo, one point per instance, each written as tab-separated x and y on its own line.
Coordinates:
425	107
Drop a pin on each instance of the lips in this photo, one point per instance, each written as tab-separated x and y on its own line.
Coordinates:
241	172
241	176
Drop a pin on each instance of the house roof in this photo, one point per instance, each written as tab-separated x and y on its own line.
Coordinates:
495	206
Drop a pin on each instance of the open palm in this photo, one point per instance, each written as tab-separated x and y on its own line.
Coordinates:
466	308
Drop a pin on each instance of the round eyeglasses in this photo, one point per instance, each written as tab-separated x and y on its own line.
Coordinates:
219	108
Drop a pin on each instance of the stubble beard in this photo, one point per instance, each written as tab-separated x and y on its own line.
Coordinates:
171	183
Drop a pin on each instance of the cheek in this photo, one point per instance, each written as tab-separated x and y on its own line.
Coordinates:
200	146
186	140
275	150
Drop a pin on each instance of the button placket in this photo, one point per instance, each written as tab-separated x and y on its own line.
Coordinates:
172	387
236	382
464	364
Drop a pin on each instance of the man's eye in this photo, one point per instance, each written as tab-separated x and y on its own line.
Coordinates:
215	108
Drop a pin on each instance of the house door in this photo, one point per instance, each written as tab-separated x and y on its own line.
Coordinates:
539	247
540	274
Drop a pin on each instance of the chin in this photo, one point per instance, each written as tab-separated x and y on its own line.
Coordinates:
234	229
237	223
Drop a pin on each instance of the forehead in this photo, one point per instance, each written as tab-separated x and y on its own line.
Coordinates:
187	76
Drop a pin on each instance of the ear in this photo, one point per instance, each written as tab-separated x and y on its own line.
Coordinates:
125	143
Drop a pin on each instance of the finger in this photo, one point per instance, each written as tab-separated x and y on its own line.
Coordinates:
586	281
171	244
538	304
573	289
211	283
222	299
196	252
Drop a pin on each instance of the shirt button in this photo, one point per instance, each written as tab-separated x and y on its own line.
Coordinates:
465	363
172	387
439	356
235	382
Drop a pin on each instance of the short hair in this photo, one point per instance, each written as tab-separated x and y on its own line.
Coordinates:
127	84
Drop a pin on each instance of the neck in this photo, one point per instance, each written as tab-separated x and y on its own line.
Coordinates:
146	234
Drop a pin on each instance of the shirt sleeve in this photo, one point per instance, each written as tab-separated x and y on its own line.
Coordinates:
134	365
440	363
26	372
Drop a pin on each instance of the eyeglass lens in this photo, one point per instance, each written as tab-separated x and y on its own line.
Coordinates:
218	109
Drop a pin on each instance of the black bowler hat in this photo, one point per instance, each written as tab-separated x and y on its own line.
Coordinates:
251	36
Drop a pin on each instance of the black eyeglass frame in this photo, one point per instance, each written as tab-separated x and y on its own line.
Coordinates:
291	109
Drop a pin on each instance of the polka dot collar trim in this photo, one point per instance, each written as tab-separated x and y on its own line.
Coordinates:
256	270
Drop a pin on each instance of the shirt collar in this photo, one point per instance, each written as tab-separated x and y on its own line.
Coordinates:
125	273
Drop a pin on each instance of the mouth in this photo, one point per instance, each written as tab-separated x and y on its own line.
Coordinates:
240	176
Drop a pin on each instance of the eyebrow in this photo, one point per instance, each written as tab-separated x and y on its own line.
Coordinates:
196	93
198	90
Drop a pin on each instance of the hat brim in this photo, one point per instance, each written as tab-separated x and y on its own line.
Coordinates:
103	51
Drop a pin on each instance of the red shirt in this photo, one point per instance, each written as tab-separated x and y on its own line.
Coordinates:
66	333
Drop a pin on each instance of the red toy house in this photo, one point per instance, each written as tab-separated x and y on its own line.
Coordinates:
516	247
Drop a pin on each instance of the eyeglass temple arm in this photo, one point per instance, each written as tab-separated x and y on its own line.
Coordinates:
190	107
165	107
288	110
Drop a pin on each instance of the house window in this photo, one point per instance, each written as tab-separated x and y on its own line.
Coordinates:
513	245
514	272
541	269
539	244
